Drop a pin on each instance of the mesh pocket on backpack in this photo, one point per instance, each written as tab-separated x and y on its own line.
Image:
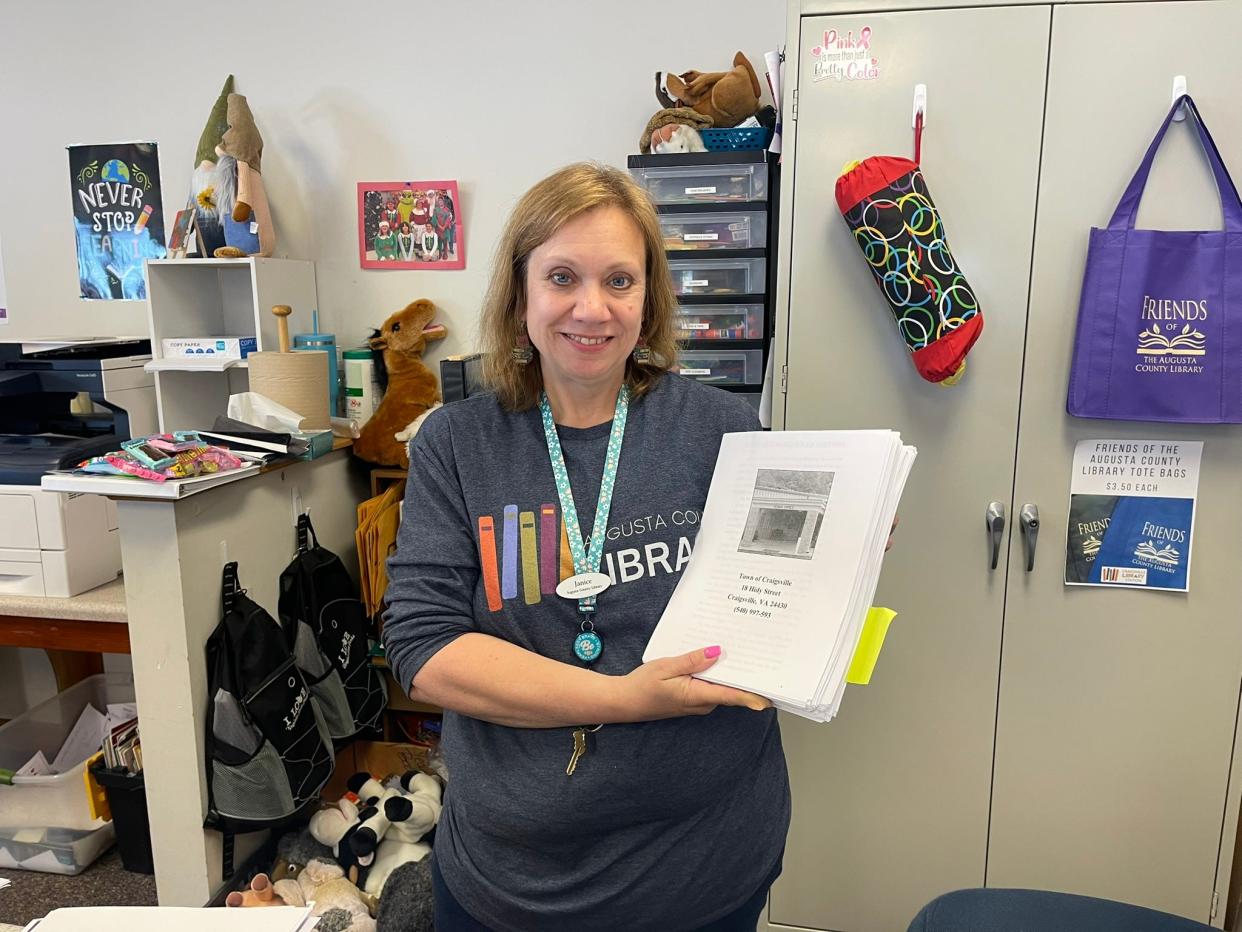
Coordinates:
256	790
334	705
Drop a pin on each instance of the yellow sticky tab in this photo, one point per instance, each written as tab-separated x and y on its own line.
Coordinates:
868	650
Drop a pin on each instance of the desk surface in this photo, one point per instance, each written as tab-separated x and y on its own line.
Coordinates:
106	603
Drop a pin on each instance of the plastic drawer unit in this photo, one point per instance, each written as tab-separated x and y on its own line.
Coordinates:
719	276
720	322
743	229
723	367
704	184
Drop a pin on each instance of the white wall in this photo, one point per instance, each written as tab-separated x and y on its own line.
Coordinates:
493	94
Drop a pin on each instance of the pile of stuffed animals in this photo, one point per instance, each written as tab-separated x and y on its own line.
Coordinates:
364	863
698	100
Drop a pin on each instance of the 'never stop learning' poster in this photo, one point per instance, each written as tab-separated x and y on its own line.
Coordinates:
1132	513
117	217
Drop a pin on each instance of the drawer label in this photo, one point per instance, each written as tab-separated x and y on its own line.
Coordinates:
696	371
705	189
695	283
695	325
699	237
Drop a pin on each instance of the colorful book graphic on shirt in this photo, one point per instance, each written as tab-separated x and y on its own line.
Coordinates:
567	555
530	558
509	556
487	556
547	549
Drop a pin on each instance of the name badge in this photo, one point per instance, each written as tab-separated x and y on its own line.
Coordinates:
583	585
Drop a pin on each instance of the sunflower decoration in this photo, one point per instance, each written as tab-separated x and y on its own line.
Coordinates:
206	198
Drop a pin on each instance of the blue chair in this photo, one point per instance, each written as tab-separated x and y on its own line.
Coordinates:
989	910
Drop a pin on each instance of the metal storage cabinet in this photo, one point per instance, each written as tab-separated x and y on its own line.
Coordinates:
1015	733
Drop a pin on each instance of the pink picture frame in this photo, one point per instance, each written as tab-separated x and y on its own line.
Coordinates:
413	225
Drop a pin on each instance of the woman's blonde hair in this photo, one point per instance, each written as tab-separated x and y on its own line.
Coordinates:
541	212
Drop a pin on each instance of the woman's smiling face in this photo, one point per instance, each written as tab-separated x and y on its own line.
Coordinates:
585	289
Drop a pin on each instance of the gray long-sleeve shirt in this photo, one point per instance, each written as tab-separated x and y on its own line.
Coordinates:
664	825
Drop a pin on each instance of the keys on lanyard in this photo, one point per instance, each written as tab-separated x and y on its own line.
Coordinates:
580	747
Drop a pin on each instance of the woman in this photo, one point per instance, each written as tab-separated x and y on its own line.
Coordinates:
385	242
442	217
588	790
429	244
406	243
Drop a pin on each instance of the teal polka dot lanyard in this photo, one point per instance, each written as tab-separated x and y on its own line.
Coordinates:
587	645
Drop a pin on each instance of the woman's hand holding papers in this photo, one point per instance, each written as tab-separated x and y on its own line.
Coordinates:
667	688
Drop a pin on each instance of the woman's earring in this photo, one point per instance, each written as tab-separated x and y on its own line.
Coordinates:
522	352
642	352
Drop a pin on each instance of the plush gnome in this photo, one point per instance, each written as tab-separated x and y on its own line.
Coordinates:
247	220
232	215
204	184
895	222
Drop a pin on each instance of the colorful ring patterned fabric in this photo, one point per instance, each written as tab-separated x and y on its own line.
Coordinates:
896	224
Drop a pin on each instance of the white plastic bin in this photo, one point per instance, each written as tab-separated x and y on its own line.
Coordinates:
53	850
58	801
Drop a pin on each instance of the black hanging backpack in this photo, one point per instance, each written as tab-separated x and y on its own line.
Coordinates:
326	626
269	753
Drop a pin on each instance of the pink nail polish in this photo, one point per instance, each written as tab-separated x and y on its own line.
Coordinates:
713	651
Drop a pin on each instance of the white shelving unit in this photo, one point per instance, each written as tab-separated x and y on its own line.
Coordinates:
217	297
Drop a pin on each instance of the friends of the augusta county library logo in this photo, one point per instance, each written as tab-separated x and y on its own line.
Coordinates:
1169	341
1157	547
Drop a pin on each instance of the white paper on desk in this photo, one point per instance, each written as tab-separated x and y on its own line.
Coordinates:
181	918
786	562
85	739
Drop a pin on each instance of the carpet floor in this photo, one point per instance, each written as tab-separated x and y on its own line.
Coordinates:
32	895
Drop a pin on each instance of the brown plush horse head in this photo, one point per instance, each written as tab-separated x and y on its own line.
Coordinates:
412	387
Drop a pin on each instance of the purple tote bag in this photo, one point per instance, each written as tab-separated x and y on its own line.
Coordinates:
1160	319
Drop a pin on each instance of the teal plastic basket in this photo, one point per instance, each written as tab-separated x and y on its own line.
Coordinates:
724	140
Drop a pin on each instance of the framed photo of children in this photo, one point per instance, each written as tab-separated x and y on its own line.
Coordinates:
410	225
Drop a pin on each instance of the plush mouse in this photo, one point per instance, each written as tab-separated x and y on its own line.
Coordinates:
682	116
412	387
675	137
295	850
728	97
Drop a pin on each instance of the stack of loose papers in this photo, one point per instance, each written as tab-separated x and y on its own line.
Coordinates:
787	562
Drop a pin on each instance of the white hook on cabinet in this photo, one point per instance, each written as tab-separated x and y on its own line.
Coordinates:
1179	90
920	106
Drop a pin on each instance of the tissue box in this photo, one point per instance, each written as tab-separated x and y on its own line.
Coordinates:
229	347
320	443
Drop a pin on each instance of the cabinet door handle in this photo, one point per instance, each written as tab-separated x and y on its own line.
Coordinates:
1029	519
996	528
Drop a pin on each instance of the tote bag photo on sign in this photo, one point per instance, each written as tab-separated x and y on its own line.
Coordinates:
1160	319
